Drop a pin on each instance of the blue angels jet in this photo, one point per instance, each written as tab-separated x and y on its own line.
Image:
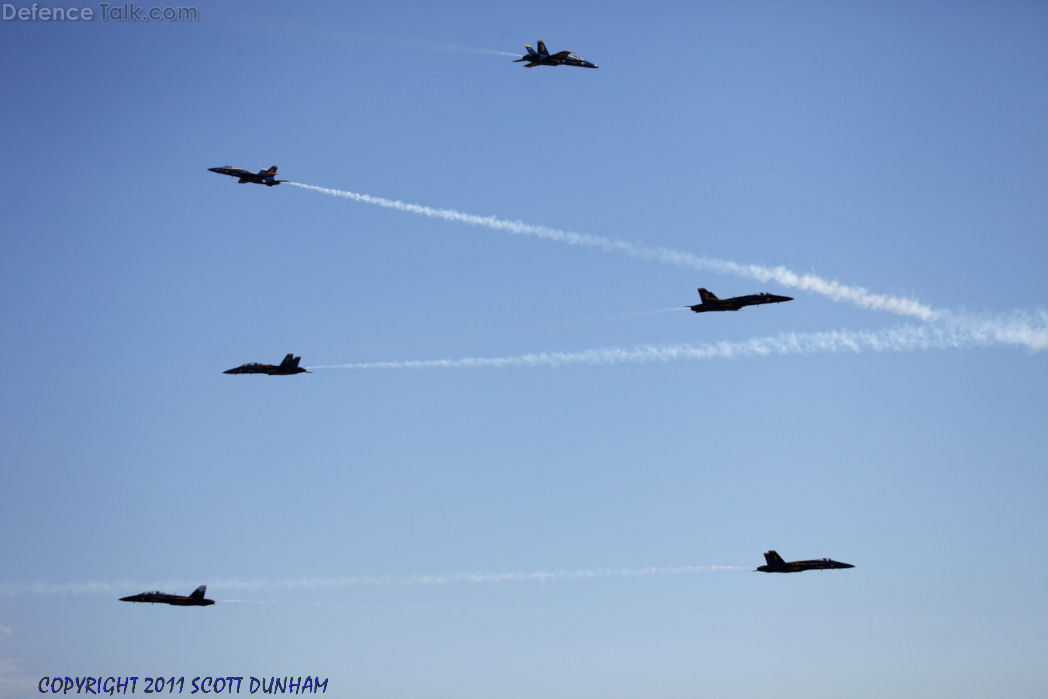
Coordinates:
285	368
542	57
195	599
712	303
777	565
266	177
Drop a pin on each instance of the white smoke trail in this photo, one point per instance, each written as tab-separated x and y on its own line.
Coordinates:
1024	329
806	282
91	587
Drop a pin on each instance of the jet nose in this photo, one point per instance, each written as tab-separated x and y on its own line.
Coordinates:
214	169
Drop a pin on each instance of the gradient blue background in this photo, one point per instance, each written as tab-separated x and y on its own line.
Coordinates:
900	146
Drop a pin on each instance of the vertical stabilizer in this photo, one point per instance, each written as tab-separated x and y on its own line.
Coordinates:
199	592
708	296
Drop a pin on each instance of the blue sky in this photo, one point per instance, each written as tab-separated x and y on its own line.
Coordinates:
897	147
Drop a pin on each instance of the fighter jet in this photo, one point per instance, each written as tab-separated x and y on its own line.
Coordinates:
542	57
196	599
777	565
285	368
712	303
265	177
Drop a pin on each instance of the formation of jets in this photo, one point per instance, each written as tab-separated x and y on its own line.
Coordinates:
712	303
543	57
194	599
775	564
266	177
286	368
289	366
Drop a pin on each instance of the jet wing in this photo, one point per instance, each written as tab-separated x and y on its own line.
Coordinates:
560	55
532	65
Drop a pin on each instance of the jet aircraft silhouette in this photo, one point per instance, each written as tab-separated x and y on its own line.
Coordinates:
777	565
195	599
542	57
712	303
285	368
266	177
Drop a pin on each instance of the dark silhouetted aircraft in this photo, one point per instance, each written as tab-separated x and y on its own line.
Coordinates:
712	303
266	177
196	599
285	368
777	565
542	57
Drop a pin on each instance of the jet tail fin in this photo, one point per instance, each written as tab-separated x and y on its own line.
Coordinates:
531	51
542	48
774	559
199	592
290	362
707	296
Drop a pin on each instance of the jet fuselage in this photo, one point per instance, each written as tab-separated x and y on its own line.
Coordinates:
266	177
735	303
543	57
286	368
775	564
155	597
269	369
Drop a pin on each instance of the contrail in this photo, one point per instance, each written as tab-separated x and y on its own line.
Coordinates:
806	282
93	587
1024	329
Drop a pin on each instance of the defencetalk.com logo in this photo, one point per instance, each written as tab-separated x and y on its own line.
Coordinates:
104	12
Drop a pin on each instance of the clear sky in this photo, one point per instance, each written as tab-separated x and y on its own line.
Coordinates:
380	525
